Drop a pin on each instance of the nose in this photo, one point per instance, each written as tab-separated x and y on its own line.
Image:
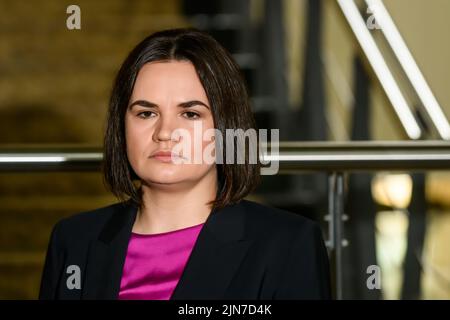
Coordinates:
164	128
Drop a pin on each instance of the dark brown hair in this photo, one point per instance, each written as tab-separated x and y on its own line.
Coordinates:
226	92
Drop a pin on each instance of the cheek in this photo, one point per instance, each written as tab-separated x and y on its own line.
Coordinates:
136	141
209	138
201	141
130	138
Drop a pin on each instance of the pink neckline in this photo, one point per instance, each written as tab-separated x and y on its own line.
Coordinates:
165	233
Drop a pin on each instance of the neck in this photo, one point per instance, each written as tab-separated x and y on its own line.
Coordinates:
168	207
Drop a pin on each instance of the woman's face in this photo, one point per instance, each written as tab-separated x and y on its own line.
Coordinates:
167	96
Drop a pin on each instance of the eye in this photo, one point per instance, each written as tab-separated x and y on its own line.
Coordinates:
146	114
191	115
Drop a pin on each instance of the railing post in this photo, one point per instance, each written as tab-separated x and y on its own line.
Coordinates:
335	218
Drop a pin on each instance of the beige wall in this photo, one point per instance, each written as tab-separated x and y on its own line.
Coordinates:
425	26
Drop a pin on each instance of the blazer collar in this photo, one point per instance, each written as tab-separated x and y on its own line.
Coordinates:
220	247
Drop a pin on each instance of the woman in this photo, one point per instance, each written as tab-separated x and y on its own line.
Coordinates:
182	229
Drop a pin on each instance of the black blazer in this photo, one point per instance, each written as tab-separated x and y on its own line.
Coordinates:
244	251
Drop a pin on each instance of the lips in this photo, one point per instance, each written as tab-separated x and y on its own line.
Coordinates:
165	156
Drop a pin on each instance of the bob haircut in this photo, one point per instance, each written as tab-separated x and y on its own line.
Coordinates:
226	91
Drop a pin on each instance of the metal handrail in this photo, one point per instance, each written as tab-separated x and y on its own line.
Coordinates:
293	157
409	65
378	62
380	67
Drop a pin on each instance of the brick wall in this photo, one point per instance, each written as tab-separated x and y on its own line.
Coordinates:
54	87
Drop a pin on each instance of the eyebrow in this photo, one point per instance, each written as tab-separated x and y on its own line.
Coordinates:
148	104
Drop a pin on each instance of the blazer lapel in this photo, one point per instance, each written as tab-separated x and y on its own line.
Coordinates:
107	255
220	248
215	257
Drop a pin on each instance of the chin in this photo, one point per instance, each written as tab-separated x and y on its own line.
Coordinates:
164	175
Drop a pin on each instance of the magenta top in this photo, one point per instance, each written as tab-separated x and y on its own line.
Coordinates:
154	263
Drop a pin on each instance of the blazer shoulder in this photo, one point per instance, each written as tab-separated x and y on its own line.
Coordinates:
87	223
294	252
265	217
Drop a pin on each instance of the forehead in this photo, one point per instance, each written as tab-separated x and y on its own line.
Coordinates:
161	79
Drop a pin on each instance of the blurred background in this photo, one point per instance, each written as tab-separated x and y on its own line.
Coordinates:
319	70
